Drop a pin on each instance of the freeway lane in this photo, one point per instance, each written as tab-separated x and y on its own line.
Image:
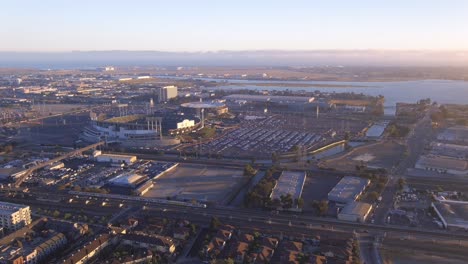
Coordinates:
307	221
265	217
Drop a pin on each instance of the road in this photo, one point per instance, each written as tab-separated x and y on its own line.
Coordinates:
418	137
285	221
368	249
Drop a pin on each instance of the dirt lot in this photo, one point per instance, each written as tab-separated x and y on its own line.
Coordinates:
383	154
199	182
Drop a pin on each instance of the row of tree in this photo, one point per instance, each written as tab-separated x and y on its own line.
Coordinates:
260	194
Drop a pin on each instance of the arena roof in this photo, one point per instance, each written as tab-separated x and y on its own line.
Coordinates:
200	105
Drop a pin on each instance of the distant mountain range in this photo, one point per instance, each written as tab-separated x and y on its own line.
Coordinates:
84	59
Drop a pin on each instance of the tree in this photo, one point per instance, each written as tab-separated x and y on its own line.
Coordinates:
302	258
222	261
249	170
56	214
373	196
320	206
347	135
286	201
401	183
193	228
300	202
275	203
295	148
215	223
274	157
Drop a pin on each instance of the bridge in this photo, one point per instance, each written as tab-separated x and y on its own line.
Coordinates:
25	174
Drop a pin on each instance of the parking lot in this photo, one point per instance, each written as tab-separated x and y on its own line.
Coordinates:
317	188
260	138
198	182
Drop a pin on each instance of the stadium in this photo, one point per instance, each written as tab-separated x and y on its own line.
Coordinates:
135	130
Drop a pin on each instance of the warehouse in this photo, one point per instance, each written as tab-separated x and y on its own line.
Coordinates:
290	182
355	212
454	134
348	190
442	164
247	98
129	183
453	214
114	158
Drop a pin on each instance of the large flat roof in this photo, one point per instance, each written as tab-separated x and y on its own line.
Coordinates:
117	156
290	182
454	213
376	130
347	189
443	163
126	179
200	105
6	207
270	98
356	208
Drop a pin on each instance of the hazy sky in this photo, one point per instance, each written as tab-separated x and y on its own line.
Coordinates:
202	25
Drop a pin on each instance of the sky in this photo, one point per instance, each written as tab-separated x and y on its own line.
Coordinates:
203	25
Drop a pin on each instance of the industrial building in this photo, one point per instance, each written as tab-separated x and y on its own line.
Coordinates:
376	130
454	134
449	150
289	182
114	158
443	164
129	184
453	214
14	216
56	166
355	212
285	100
167	92
348	189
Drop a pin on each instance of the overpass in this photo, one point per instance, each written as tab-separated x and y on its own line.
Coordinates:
25	174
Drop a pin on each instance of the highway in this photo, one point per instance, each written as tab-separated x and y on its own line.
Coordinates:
265	218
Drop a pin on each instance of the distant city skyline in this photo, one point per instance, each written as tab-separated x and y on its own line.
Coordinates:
59	26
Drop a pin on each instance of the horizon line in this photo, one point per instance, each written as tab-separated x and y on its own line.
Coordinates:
241	50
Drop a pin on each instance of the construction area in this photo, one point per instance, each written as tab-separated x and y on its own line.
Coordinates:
384	154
